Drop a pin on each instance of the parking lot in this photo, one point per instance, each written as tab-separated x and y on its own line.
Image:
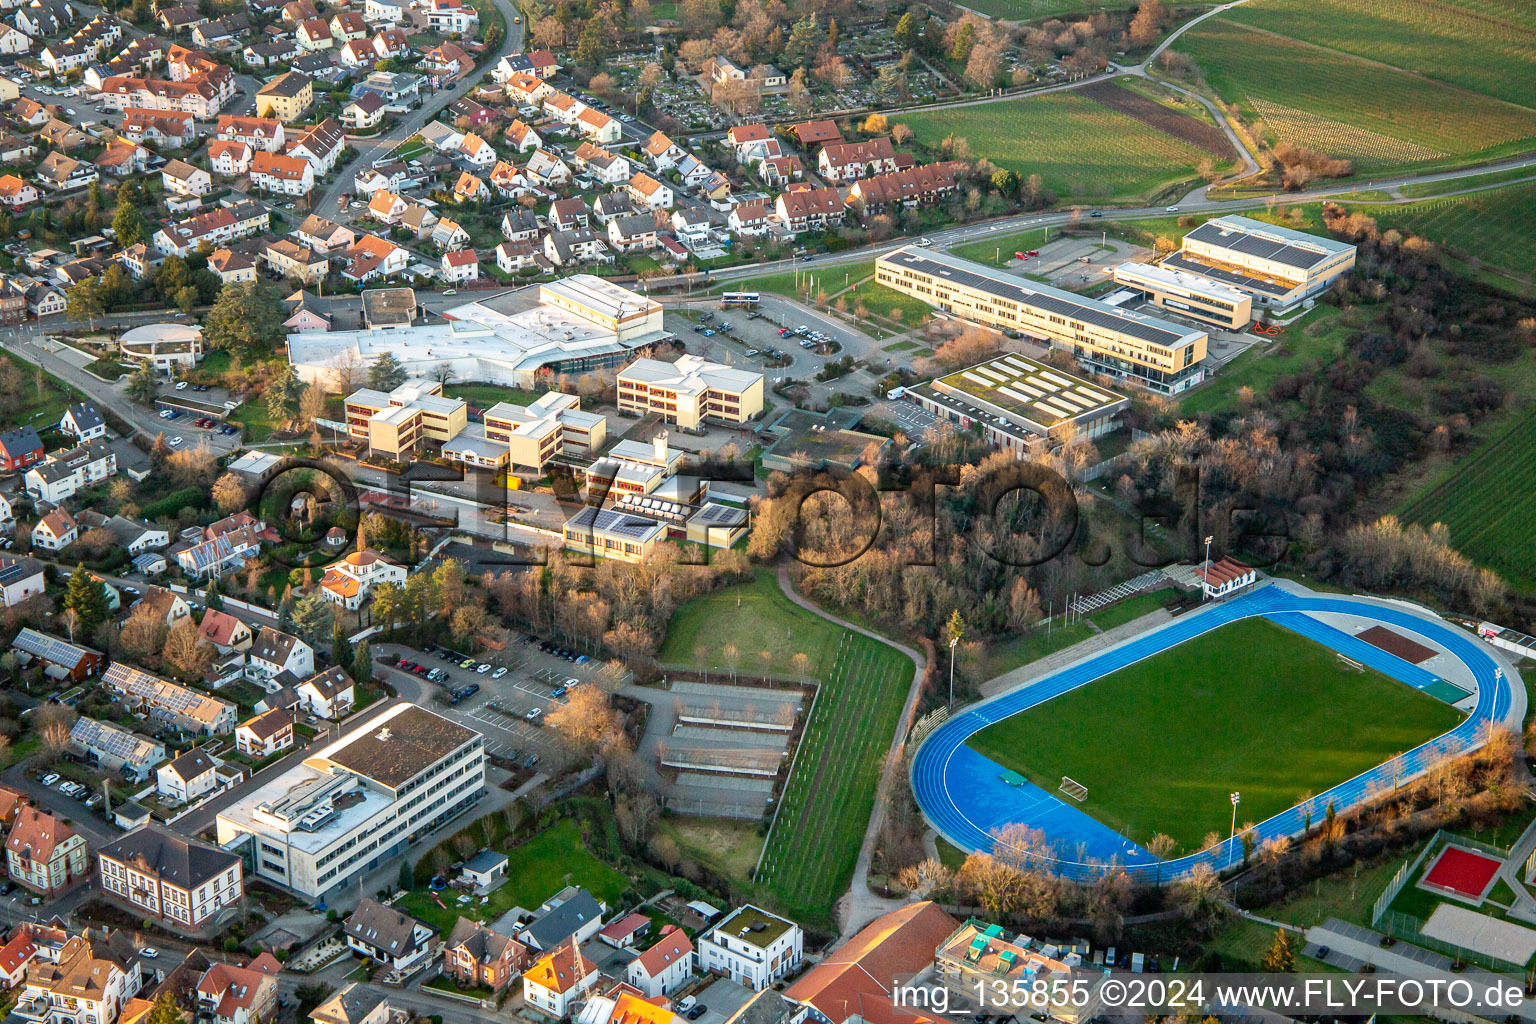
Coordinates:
508	701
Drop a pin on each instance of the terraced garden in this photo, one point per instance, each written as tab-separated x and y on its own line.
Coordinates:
1352	104
1488	502
1081	148
1435	38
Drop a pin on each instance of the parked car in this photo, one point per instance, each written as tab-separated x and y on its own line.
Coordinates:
499	673
533	714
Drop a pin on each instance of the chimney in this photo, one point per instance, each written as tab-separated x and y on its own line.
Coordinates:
660	444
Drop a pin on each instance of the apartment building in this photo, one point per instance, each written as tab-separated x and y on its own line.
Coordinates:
690	391
170	877
43	853
86	980
979	955
752	947
1156	354
359	802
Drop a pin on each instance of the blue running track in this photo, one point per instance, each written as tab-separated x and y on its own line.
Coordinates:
964	798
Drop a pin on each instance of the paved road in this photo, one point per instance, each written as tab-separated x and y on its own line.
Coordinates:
372	149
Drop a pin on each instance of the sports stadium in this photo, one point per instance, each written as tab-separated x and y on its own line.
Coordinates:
1263	710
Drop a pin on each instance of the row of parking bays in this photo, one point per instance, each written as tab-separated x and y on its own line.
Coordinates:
506	696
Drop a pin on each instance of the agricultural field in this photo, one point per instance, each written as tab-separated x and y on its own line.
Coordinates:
1488	502
1161	117
1264	706
1351	104
825	807
1494	227
1440	188
1081	149
1030	10
1436	40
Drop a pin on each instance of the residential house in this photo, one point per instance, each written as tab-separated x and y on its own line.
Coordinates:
323	235
445	62
568	214
849	161
663	152
476	151
225	632
60	173
187	777
274	652
171	878
260	133
469	189
15	193
83	421
515	257
218	555
441	137
387	935
387	207
230	159
508	181
20	578
231	266
312	36
475	956
59	659
572	914
558	980
912	186
614	204
63	474
348	25
182	179
364	112
752	947
296	262
110	747
169	607
751	142
650	194
691	226
665	966
229	994
547	169
263	735
459	266
451	17
752	218
350	581
810	210
632	234
170	129
599	127
519	224
44	854
374	258
55	531
563	248
330	694
286	175
603	165
321	146
356	1003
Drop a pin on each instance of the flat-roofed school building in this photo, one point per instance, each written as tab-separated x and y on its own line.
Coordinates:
1021	404
689	391
1156	354
1279	267
1191	295
412	414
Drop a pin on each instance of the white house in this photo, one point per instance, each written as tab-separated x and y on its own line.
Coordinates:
385	934
265	734
274	652
349	581
559	979
330	694
752	947
664	967
188	777
84	421
460	265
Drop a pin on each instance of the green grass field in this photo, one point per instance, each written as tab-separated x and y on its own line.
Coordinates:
536	870
826	805
831	279
1080	148
1014	652
1348	107
1489	503
887	302
999	250
1250	707
1433	39
1436	188
487	395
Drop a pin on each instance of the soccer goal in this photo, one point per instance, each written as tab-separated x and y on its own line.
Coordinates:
1350	663
1076	790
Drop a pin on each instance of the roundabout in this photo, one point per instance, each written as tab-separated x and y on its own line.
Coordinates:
1368	671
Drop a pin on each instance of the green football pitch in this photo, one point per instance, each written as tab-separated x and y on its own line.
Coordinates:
1249	707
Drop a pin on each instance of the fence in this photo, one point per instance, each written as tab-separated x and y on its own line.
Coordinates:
1407	871
1410	929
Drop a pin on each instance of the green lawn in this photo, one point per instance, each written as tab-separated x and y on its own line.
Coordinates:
724	845
1314	341
825	807
804	284
1080	148
536	870
1435	40
1250	707
487	395
40	400
998	250
1489	502
1349	107
887	302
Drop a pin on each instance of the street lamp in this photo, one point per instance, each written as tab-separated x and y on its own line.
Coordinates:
1206	587
952	642
1237	798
